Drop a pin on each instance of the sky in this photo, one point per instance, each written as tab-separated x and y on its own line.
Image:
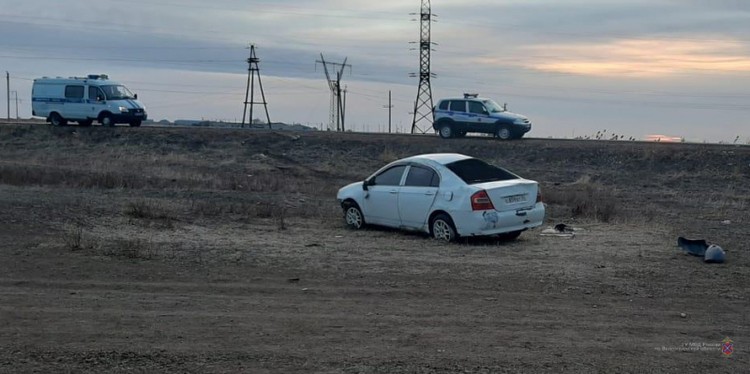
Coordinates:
673	68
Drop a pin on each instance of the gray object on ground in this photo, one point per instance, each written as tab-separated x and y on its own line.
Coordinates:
714	254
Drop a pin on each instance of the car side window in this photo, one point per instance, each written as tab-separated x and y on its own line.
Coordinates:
74	92
444	105
390	177
476	108
458	106
422	177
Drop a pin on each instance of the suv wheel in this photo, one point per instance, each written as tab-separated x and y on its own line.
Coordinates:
504	133
446	131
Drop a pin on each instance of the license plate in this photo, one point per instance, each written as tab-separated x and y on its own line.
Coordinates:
515	199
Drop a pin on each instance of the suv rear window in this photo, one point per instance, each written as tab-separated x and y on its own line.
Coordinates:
474	171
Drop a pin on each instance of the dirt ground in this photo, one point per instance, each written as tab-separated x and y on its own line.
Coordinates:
156	250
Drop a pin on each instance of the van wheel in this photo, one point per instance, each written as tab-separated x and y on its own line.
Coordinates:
107	120
504	133
56	120
136	123
85	123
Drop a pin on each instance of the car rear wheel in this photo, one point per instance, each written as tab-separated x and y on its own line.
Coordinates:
442	228
504	133
56	120
446	132
353	216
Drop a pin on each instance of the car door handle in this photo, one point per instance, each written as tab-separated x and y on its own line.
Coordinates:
429	193
393	191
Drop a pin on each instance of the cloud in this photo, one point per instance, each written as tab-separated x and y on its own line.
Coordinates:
632	58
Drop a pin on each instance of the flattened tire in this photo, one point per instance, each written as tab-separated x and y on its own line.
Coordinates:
353	216
443	229
445	131
503	132
56	120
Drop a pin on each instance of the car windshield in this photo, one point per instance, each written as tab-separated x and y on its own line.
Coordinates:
492	106
117	92
474	171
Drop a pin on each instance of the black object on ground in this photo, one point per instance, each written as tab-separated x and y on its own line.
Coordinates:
695	247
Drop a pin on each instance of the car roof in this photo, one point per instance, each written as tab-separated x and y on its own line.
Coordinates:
467	98
440	158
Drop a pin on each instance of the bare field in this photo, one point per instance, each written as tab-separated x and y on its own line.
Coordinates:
160	250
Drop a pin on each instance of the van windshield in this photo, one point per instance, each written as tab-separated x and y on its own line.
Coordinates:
117	92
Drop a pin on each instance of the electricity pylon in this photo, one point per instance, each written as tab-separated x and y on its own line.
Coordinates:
252	71
423	104
337	111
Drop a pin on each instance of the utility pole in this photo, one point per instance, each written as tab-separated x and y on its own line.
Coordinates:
423	104
336	113
7	80
15	94
390	108
252	70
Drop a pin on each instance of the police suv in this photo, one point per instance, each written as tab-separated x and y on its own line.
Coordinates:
84	100
454	118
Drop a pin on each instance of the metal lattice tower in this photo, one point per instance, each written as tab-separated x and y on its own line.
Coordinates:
423	104
252	71
337	111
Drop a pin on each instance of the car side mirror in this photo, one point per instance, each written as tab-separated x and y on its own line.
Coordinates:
365	184
135	96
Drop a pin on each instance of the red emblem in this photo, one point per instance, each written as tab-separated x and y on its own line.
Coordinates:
727	347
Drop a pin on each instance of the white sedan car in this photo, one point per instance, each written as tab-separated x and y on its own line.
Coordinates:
446	195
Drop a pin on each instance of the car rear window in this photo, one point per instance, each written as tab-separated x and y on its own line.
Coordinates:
473	171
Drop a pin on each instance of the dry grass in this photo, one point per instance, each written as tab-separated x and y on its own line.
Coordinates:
585	199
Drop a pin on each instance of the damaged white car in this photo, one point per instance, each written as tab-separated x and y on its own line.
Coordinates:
447	195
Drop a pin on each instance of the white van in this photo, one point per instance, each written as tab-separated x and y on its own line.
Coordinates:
85	99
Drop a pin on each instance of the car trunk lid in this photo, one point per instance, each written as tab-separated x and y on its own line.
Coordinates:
512	194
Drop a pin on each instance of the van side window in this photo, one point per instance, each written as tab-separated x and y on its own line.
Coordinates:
444	105
95	94
74	92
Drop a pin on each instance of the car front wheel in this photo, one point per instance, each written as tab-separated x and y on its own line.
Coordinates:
443	229
504	133
353	216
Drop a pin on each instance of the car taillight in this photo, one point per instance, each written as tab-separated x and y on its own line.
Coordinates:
539	195
481	201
